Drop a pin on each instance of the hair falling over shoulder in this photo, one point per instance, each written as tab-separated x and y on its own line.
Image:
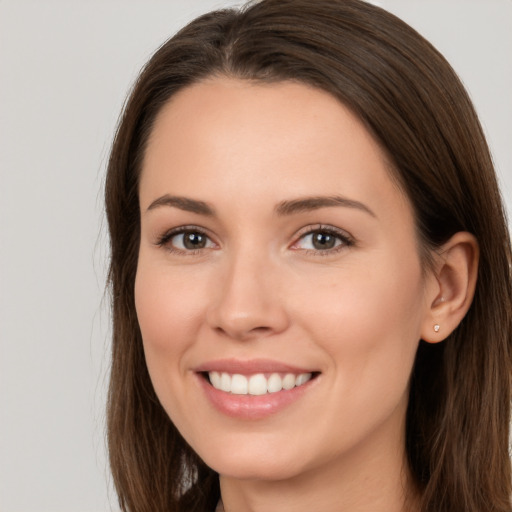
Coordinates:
411	100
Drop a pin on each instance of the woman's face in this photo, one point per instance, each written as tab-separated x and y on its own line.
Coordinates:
279	289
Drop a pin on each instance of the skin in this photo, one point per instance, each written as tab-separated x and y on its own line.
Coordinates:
260	289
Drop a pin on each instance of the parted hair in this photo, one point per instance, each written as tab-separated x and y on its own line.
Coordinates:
410	99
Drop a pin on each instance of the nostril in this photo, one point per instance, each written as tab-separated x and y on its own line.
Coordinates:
260	329
252	332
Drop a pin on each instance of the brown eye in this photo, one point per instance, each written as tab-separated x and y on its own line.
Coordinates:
322	240
189	240
193	240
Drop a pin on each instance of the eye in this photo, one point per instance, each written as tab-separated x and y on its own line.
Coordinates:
324	239
190	240
186	240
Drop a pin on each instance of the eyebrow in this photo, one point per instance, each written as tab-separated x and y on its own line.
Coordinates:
284	208
183	203
317	202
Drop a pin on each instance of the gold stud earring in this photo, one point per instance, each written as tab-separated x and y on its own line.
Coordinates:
437	327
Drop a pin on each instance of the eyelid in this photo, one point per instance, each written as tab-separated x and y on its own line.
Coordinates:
164	239
345	237
347	240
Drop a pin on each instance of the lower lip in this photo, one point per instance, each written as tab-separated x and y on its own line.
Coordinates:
253	407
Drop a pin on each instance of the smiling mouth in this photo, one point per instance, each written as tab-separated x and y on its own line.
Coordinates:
257	384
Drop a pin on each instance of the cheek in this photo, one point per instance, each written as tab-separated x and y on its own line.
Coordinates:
167	308
369	321
365	295
168	311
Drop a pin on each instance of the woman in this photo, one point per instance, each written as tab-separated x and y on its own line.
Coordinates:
310	273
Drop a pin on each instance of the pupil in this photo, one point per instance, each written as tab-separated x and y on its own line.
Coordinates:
323	241
194	240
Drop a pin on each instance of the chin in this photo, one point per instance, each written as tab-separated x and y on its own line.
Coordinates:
255	470
265	463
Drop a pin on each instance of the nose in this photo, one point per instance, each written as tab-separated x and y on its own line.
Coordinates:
248	304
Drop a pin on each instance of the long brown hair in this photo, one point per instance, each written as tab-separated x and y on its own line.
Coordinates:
411	100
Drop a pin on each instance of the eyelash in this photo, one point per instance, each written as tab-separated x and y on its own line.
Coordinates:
345	239
165	239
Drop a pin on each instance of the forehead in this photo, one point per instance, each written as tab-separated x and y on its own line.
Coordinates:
293	111
239	139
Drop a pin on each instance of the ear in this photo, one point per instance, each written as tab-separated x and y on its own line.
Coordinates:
452	286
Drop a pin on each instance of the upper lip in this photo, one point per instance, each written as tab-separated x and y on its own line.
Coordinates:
249	367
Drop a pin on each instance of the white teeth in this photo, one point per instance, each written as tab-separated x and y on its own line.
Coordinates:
225	382
302	379
274	383
216	380
256	384
289	381
239	384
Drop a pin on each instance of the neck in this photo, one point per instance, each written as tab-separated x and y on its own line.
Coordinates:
373	476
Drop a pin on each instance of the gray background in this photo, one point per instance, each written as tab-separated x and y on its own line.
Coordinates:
65	68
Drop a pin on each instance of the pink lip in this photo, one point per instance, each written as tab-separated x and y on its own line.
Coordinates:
249	367
248	407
